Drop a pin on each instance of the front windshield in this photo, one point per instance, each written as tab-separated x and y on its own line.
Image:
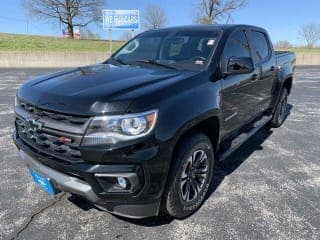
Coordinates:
190	49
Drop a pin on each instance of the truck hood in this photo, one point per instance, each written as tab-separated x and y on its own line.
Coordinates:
97	89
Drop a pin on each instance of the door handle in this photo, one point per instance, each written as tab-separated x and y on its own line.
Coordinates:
254	77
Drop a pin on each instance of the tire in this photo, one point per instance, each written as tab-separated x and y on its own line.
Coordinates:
190	176
281	110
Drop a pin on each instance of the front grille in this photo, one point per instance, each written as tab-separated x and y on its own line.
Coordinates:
55	116
48	143
49	133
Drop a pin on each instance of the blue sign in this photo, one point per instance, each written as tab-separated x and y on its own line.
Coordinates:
121	19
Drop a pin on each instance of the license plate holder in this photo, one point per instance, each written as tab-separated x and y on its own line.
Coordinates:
42	182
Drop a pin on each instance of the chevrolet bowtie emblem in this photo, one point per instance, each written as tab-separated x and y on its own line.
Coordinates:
33	124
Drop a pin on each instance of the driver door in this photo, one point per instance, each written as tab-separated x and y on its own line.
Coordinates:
238	97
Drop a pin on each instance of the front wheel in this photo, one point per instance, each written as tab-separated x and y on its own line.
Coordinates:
190	176
281	110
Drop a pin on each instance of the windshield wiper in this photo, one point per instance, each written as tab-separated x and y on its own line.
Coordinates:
154	62
118	60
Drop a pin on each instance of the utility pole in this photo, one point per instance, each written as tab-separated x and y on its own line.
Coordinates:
27	25
110	42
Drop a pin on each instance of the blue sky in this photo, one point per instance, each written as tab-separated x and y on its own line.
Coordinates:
282	18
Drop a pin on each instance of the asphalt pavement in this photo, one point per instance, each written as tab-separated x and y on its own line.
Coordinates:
268	189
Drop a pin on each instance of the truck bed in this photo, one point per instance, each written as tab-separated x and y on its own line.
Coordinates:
285	57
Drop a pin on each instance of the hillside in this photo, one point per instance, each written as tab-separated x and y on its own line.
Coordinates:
301	50
19	42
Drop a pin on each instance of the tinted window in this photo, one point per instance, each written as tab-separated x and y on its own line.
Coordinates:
236	46
261	44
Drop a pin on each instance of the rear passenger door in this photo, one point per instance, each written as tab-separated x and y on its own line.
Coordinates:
238	91
266	65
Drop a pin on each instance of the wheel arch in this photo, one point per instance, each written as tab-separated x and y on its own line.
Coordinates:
288	84
209	126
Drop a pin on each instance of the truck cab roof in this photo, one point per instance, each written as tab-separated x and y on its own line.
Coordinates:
208	27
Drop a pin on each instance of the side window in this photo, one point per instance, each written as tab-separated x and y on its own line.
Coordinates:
236	46
261	45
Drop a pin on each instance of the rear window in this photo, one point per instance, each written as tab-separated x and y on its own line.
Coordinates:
261	45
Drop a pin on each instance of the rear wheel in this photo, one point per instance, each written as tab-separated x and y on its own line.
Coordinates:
280	113
190	176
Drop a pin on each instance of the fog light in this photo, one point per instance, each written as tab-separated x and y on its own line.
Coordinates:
122	182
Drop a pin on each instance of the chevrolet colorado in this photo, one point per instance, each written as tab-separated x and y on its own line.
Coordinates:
141	132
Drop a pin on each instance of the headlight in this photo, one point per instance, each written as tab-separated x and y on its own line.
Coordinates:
120	128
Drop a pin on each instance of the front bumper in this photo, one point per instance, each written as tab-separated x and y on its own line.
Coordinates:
82	179
61	181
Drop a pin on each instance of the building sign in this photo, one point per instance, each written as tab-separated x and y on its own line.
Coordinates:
121	19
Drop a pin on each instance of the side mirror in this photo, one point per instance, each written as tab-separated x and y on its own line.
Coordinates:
239	65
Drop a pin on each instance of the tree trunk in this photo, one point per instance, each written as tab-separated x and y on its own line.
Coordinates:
69	18
70	31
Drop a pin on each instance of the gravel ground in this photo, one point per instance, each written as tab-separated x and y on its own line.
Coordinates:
268	189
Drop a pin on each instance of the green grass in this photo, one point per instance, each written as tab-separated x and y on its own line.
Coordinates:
301	50
18	42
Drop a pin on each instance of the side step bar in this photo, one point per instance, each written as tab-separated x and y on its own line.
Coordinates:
238	141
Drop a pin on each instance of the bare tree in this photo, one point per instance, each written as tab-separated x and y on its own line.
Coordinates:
70	13
310	33
284	44
214	11
154	17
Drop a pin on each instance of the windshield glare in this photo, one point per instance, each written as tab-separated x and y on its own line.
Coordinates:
181	49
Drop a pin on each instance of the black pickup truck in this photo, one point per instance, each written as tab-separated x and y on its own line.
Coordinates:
141	132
